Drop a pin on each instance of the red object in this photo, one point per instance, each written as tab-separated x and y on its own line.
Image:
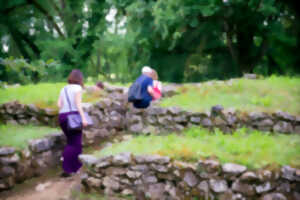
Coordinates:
157	93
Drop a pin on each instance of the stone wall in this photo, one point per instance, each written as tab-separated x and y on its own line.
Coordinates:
156	177
18	165
119	115
17	113
113	114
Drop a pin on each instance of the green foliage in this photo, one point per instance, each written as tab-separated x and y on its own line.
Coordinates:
185	41
17	136
251	148
20	71
268	95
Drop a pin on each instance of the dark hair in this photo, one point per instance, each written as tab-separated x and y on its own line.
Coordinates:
75	77
99	84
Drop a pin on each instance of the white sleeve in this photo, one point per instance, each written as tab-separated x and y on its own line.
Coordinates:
159	85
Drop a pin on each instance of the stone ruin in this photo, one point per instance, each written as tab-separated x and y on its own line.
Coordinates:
160	178
114	116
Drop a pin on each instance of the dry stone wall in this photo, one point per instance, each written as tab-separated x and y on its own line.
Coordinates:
156	177
113	114
18	165
17	113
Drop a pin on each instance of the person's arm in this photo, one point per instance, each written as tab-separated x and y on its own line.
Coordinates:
150	90
79	107
60	102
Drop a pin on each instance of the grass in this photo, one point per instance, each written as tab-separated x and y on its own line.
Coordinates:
254	150
17	136
268	95
44	95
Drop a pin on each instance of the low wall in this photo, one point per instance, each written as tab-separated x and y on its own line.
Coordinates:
17	113
117	113
156	177
19	165
114	114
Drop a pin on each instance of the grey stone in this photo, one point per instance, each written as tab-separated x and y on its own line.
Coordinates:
93	182
159	168
255	116
208	168
283	127
288	173
233	169
88	160
250	76
284	116
122	159
284	187
264	175
7	183
152	159
10	160
141	168
110	183
243	188
264	123
136	128
174	110
206	122
115	171
218	186
190	178
155	191
195	120
127	192
148	178
180	119
203	187
172	191
134	119
266	187
40	145
151	119
274	196
133	174
216	110
249	177
6	151
7	171
164	120
103	162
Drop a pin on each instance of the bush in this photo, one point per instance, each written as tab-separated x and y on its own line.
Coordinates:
21	71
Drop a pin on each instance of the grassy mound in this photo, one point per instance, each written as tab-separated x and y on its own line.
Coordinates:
268	95
253	149
17	135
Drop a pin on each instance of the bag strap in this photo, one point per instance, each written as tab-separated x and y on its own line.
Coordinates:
68	100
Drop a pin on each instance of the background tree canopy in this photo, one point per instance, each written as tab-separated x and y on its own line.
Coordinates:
183	40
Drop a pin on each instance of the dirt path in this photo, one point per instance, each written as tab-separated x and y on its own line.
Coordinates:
47	187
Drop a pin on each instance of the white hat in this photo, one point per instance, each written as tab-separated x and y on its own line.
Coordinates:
146	69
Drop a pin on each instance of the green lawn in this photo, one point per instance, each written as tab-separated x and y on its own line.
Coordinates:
253	150
17	135
42	94
269	95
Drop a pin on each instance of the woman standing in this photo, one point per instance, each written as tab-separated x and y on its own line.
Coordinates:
69	102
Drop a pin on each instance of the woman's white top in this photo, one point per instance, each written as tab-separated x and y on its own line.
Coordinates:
157	84
72	90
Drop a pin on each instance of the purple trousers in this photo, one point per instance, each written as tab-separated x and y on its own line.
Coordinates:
73	148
